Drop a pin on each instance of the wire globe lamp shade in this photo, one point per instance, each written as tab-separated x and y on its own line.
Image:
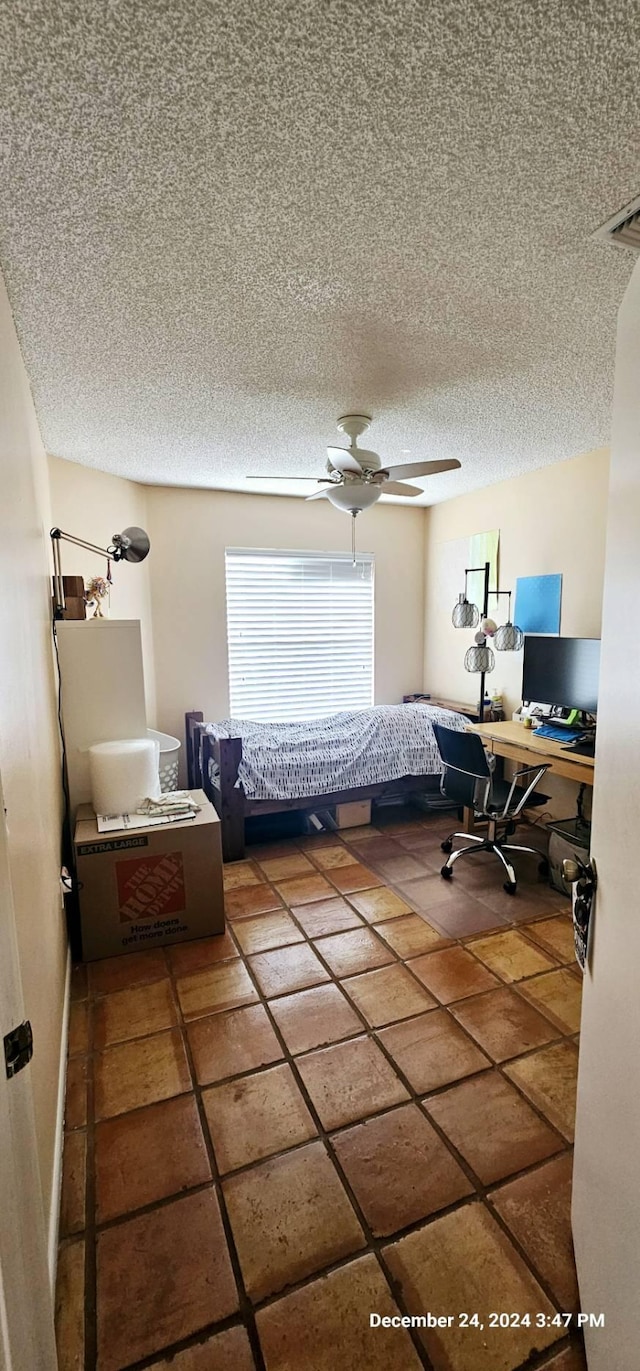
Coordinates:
508	638
479	658
465	615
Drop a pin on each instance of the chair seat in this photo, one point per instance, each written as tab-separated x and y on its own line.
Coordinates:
500	795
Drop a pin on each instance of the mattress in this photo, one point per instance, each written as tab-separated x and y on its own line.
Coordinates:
340	752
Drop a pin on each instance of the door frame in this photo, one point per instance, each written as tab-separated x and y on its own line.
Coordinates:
27	1337
606	1193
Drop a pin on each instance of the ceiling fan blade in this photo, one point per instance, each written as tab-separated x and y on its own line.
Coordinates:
341	460
269	477
421	468
398	488
318	494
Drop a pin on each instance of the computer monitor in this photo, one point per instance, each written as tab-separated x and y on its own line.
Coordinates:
561	671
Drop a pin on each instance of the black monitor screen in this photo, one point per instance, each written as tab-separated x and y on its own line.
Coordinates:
562	671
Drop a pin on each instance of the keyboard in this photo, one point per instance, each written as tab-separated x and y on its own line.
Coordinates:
585	747
557	733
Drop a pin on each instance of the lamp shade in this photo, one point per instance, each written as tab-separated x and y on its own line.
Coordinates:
479	658
508	638
465	615
132	545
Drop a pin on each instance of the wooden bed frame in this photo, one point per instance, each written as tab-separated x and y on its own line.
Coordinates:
231	803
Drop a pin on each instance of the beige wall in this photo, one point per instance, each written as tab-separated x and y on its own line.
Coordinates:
552	520
190	530
93	505
29	745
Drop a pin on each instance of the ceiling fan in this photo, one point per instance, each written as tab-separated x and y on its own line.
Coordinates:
357	477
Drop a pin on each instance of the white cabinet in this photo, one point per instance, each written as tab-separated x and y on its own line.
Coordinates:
102	680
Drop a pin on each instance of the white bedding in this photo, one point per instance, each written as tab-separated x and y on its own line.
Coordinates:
340	752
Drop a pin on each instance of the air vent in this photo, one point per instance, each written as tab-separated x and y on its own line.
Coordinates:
624	228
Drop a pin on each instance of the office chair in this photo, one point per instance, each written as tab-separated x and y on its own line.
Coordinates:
469	782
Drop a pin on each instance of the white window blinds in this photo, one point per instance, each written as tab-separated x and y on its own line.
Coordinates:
300	633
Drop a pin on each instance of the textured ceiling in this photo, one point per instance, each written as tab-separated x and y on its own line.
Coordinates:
224	224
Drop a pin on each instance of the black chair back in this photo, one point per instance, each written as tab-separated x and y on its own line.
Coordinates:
465	763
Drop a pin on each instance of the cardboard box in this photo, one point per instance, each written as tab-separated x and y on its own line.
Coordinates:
354	814
73	591
149	886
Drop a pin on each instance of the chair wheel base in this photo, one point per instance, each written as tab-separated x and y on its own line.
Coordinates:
510	887
446	873
446	846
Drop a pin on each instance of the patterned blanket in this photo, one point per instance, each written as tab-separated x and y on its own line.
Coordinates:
343	751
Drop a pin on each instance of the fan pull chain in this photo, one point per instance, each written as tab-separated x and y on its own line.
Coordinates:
353	534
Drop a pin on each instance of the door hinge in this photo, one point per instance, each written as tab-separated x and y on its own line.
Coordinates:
18	1048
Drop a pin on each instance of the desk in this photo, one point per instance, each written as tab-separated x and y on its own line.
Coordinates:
520	744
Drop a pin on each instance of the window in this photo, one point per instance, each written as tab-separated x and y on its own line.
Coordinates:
300	633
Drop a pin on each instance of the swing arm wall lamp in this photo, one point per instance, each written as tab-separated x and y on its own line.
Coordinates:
132	545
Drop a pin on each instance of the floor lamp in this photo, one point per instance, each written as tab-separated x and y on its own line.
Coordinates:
466	615
507	638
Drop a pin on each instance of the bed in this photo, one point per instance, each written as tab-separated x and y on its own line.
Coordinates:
248	769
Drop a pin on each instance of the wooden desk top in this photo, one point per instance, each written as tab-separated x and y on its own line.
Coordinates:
520	744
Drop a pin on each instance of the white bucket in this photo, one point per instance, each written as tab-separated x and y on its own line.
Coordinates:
123	774
169	759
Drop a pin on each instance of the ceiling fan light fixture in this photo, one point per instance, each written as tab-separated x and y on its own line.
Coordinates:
353	495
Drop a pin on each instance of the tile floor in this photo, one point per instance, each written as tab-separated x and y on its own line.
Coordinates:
358	1099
